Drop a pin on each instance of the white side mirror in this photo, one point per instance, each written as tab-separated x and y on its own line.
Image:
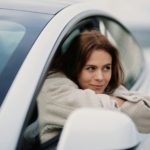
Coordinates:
94	129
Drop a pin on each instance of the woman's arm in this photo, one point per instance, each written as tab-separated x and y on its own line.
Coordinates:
59	96
62	92
137	106
120	101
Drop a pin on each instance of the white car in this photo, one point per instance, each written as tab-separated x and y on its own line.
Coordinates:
32	34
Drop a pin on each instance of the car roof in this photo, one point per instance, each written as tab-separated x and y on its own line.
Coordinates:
38	6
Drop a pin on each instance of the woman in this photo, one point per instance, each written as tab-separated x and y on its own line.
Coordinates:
89	74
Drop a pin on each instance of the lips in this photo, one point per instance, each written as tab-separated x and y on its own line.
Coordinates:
97	86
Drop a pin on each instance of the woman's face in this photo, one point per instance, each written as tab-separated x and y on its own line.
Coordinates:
96	73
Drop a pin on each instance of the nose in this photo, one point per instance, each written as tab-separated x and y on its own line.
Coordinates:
99	76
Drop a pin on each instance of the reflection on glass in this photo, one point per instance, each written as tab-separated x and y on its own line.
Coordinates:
129	50
11	34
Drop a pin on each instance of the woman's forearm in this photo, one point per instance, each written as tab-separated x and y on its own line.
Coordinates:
120	101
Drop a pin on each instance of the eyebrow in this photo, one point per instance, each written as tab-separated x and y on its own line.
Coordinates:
108	64
95	66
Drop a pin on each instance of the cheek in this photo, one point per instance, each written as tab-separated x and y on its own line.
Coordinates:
83	78
108	77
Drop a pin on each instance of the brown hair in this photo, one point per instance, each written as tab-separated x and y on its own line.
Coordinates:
80	49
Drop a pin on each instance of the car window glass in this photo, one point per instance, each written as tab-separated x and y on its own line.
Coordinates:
102	27
86	24
10	36
67	42
18	32
130	52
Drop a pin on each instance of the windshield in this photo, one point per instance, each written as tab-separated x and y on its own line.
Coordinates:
18	32
10	36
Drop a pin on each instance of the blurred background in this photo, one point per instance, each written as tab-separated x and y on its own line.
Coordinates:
134	14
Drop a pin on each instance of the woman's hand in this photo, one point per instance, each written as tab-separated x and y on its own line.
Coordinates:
120	101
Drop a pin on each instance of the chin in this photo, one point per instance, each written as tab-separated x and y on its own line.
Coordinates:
98	92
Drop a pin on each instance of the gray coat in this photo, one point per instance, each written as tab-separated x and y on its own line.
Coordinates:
59	96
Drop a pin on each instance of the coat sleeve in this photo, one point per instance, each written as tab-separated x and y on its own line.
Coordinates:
59	96
137	106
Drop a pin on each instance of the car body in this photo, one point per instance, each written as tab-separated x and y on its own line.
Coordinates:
32	33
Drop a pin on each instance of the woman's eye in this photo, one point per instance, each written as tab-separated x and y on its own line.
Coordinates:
107	68
90	68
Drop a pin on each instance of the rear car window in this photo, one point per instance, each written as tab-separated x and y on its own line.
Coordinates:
130	51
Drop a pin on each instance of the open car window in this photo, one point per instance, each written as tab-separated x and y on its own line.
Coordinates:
32	139
119	37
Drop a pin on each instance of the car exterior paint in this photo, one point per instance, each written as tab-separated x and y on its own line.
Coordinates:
31	74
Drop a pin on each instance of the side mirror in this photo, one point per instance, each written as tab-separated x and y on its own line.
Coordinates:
93	129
